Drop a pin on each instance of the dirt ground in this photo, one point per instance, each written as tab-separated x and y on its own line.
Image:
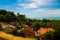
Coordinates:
2	38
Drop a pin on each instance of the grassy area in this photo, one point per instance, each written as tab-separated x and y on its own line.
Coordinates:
11	37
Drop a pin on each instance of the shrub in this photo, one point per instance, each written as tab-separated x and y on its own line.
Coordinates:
21	33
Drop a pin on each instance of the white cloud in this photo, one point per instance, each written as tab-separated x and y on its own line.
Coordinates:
35	3
41	12
47	12
32	5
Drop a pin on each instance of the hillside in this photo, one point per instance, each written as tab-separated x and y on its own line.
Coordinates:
11	37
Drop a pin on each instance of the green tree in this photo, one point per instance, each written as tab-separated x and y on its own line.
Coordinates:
8	17
3	12
56	35
20	17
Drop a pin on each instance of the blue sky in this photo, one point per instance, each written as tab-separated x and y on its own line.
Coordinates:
33	8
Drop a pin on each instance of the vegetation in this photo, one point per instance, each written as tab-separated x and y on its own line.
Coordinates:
0	27
20	21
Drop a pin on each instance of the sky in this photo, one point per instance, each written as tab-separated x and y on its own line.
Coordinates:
32	8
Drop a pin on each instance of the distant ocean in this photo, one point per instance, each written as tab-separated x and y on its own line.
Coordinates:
51	18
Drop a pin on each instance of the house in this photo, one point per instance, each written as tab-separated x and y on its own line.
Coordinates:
10	26
5	25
